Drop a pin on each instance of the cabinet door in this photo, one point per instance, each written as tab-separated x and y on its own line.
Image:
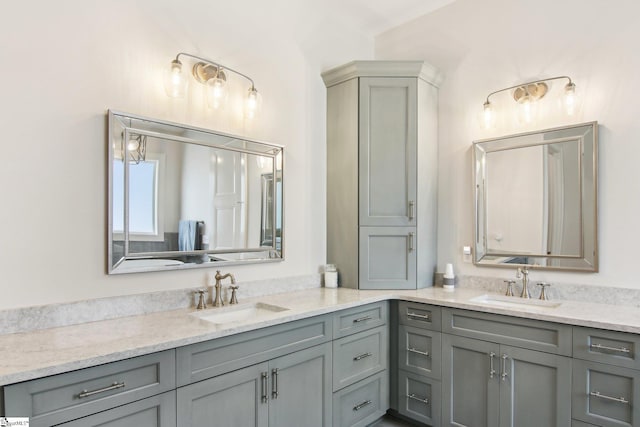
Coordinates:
300	389
388	151
606	395
388	258
535	388
155	411
239	398
470	387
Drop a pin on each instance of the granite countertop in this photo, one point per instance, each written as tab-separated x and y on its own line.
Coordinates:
36	354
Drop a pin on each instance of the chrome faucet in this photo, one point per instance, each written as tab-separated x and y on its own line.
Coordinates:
523	273
217	302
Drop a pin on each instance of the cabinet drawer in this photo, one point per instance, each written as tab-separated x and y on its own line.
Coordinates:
156	411
419	315
362	403
615	348
419	398
350	321
357	356
420	351
605	395
204	360
525	333
59	398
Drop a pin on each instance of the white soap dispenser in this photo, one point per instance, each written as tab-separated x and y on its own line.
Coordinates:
449	278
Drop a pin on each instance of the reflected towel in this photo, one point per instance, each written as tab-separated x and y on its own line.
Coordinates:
187	235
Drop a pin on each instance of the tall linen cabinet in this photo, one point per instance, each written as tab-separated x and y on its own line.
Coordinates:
382	173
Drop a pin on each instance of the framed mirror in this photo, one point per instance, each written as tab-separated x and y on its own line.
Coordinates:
536	199
184	197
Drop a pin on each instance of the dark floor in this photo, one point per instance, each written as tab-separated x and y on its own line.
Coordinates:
389	421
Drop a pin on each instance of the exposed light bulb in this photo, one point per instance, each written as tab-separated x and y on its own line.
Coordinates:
488	116
253	103
217	91
175	83
133	144
570	99
527	110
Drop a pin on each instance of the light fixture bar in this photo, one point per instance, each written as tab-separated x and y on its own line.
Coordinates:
524	86
216	64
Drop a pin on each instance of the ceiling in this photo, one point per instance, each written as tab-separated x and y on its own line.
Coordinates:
377	16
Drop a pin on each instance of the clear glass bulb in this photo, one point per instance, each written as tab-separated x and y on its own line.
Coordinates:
253	103
488	116
133	144
570	99
216	93
527	110
175	83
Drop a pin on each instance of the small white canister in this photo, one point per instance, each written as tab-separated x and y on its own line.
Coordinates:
330	276
449	278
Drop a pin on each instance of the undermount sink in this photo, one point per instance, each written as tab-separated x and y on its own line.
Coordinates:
239	313
516	302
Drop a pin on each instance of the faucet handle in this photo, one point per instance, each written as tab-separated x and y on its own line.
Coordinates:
202	303
234	299
510	284
543	287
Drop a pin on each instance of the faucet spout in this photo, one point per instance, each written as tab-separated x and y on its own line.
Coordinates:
523	273
217	301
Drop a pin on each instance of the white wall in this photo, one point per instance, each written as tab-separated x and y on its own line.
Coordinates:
488	45
65	63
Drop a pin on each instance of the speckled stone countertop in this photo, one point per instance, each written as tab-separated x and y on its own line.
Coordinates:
35	354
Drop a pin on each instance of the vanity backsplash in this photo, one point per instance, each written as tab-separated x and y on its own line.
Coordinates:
27	319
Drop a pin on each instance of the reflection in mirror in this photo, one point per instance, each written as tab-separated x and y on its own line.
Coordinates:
536	199
183	197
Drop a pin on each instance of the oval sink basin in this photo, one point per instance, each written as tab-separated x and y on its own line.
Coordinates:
254	312
515	302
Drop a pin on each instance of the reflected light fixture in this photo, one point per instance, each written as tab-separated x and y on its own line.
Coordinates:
527	95
136	148
214	77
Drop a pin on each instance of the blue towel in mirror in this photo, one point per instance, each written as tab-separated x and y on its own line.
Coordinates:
187	234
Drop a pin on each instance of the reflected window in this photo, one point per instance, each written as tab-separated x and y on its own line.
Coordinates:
143	199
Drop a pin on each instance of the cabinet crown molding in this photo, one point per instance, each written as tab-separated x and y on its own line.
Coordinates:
353	69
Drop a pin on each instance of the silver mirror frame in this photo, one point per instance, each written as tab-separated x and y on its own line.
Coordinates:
120	124
587	259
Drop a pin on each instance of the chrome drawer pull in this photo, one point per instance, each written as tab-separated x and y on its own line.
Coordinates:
362	405
604	347
114	386
362	356
504	373
424	317
605	397
413	350
411	207
362	319
492	371
265	397
414	397
274	390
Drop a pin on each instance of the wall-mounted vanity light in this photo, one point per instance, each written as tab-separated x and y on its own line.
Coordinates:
526	96
214	78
